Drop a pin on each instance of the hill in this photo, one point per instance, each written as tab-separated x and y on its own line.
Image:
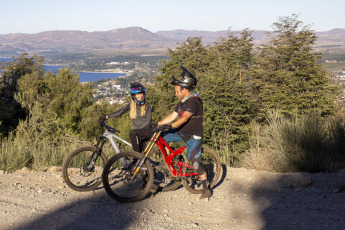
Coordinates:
82	41
126	39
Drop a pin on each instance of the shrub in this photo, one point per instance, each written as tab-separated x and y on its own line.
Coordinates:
307	143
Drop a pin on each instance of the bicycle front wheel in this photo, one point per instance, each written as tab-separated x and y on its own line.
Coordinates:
213	168
80	170
117	179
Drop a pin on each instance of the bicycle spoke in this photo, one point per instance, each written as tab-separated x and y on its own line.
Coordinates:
81	173
213	167
118	180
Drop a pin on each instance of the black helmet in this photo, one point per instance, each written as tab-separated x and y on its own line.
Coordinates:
188	79
136	88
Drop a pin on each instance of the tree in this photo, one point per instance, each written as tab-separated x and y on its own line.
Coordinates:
193	55
287	75
224	78
228	104
11	72
61	97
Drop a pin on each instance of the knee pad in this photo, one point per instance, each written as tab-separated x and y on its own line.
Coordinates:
199	167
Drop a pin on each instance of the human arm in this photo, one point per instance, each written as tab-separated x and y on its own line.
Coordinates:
170	118
185	117
119	112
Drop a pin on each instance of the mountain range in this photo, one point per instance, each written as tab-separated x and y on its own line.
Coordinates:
132	38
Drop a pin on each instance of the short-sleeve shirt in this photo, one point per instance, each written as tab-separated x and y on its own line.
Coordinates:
194	125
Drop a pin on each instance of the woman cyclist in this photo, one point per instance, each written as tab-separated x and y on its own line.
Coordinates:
140	113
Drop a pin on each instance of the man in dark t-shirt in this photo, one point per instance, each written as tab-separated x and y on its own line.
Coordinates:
187	124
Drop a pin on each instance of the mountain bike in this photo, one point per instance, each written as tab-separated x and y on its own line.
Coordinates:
82	169
134	180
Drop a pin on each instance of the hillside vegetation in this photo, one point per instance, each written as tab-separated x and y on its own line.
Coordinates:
241	85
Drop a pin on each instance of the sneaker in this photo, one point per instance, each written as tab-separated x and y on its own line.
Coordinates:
206	194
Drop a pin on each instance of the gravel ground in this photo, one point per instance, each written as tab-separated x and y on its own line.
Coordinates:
243	199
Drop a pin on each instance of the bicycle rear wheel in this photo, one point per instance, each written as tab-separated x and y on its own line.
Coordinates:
80	172
213	168
116	177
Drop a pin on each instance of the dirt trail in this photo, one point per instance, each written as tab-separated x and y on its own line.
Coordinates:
244	199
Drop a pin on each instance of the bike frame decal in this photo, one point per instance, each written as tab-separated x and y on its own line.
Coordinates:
173	153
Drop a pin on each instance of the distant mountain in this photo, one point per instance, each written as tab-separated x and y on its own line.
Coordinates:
332	37
132	38
82	41
208	37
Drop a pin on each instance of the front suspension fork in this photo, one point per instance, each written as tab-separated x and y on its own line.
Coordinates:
147	152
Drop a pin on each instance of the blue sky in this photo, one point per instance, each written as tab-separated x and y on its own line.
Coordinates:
33	16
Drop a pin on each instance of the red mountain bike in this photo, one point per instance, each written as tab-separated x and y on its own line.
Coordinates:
133	180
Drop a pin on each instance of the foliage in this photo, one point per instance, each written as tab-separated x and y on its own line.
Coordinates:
61	97
37	143
11	110
287	75
308	143
239	84
228	103
90	128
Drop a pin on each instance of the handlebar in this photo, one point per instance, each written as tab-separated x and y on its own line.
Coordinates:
107	127
160	128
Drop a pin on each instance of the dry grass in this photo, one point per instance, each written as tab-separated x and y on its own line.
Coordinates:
306	143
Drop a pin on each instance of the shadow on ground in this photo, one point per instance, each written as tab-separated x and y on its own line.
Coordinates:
96	212
295	201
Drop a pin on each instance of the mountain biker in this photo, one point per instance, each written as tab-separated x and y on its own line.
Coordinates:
189	124
140	113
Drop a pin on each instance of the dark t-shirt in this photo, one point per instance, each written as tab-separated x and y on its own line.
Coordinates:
194	125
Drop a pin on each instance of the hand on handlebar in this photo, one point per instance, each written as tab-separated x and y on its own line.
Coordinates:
155	127
102	119
164	127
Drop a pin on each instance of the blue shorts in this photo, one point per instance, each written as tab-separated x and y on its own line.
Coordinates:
193	146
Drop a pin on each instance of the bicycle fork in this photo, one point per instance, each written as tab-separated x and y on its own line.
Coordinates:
147	152
99	146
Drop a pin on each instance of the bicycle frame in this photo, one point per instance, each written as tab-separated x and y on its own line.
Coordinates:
110	136
173	153
157	139
100	143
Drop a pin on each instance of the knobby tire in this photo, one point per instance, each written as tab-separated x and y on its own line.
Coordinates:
77	175
116	182
213	166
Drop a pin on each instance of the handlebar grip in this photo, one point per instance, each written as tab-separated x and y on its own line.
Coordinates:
111	129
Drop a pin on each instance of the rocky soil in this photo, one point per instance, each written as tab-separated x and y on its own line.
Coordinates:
243	199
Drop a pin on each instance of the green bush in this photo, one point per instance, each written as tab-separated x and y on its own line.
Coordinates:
307	143
16	153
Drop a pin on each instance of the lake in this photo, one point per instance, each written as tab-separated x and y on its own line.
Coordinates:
83	76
